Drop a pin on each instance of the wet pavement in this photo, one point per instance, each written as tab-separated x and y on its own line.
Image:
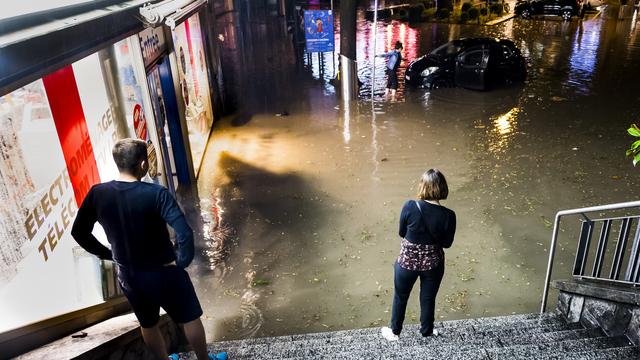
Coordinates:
301	209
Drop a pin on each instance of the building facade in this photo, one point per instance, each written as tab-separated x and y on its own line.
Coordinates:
67	94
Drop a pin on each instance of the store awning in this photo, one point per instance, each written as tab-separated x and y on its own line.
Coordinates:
170	12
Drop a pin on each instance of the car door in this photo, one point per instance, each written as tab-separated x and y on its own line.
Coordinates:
499	65
538	7
471	67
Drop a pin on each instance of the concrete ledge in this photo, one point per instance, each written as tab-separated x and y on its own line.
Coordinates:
614	293
23	339
117	338
500	20
614	309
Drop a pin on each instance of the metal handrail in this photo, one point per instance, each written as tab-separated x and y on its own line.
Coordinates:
556	228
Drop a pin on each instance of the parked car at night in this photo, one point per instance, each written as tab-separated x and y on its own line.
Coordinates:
563	8
474	63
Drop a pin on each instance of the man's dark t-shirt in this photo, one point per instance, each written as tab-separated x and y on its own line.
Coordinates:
134	217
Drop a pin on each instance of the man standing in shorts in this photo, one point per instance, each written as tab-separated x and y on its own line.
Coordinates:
134	215
394	57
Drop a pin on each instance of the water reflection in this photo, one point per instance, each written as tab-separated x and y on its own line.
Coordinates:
218	235
346	127
582	61
504	127
386	37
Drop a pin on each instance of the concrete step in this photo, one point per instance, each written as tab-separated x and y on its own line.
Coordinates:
513	321
522	352
526	337
546	349
477	336
618	353
425	346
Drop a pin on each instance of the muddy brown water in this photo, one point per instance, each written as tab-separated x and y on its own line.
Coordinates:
301	211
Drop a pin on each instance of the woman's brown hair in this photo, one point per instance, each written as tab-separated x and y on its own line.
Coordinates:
433	186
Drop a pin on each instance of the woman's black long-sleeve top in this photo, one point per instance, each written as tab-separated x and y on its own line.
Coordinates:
435	225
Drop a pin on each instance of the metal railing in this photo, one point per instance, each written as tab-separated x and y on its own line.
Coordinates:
580	267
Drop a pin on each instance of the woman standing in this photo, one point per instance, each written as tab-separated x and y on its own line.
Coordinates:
426	227
394	57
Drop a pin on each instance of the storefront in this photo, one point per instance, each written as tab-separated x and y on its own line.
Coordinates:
56	139
56	136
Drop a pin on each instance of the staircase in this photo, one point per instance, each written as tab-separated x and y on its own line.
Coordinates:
528	336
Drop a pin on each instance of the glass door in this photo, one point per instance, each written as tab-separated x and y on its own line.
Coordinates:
162	126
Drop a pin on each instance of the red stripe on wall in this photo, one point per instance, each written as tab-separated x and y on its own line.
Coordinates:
66	108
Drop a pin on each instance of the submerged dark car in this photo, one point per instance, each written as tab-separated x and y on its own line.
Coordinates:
564	8
475	63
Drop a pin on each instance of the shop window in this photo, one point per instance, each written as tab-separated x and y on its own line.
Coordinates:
56	136
194	84
130	90
42	271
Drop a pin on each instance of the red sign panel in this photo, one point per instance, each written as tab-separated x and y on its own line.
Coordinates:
66	108
139	123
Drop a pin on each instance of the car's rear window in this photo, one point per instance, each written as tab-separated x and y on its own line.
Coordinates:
449	48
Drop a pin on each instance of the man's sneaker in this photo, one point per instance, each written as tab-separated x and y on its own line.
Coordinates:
174	357
218	356
388	334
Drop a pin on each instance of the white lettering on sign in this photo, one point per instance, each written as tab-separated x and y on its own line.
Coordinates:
152	44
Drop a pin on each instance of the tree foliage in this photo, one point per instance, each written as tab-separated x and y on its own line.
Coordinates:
634	150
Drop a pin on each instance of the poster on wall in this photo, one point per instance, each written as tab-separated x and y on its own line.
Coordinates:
194	84
56	136
38	206
318	30
151	45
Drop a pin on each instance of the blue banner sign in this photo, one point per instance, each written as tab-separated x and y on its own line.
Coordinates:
318	30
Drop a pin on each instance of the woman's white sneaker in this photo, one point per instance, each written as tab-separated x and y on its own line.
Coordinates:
388	334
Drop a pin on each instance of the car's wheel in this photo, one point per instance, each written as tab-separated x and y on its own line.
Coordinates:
566	15
439	84
525	14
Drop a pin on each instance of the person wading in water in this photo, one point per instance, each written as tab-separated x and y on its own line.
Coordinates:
394	57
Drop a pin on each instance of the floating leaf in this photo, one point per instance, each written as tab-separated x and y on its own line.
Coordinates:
260	282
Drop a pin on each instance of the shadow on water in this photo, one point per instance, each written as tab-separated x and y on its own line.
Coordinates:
242	119
261	236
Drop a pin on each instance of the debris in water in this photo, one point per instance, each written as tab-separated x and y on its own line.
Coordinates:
260	282
457	300
546	222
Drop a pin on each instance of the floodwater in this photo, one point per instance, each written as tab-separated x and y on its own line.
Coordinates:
301	210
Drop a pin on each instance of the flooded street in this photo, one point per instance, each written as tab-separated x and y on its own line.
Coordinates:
301	196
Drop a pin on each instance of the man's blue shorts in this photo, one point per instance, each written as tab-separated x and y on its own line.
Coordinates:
167	287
